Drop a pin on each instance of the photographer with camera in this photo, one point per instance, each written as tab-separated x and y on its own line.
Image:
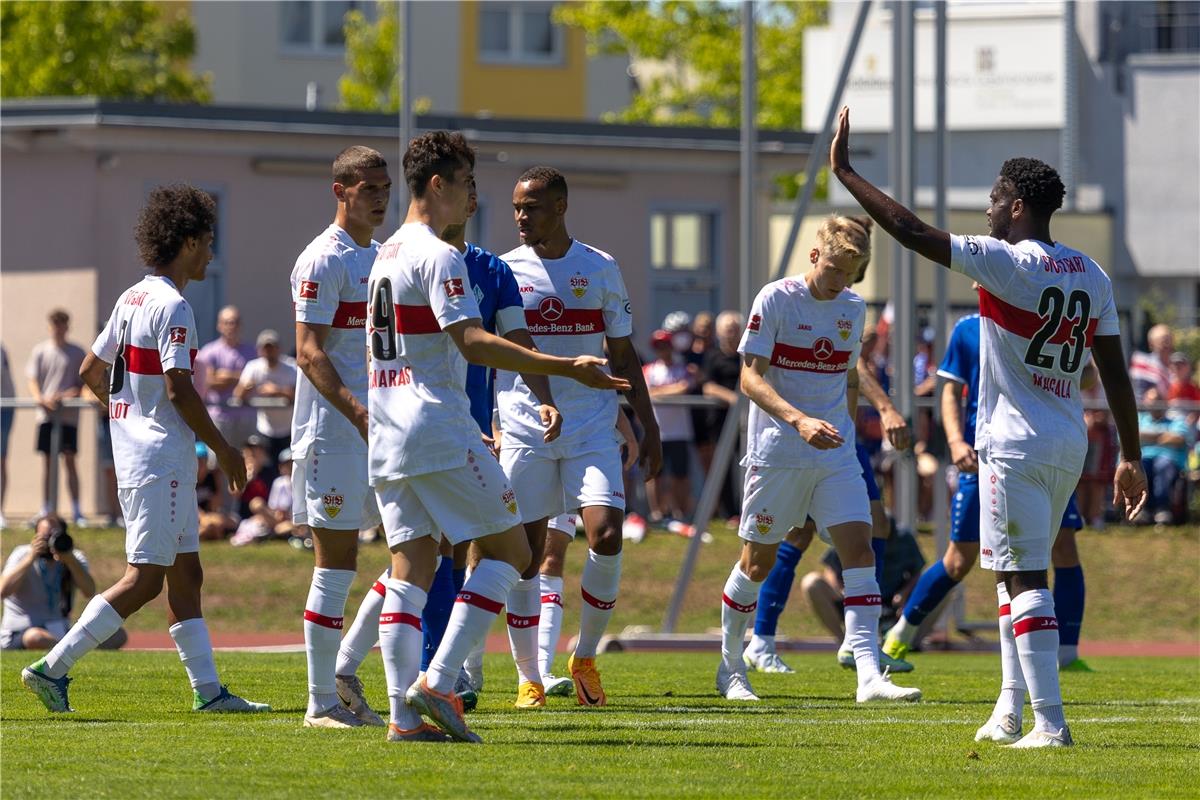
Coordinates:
38	587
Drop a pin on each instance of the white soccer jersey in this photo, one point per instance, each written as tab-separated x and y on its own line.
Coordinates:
329	287
1040	307
811	344
420	414
571	304
151	330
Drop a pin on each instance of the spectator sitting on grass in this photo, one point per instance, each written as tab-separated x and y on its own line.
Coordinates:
1165	440
260	474
210	497
270	518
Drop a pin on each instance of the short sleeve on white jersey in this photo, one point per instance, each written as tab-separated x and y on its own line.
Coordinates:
618	311
317	287
990	261
759	337
510	319
176	334
448	288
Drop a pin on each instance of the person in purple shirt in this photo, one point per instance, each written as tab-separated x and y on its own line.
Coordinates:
223	360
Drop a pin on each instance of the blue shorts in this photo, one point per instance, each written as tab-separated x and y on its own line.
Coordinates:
868	472
964	512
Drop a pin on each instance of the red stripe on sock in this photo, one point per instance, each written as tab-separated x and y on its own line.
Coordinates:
322	620
738	606
1006	610
591	600
1034	624
552	598
864	600
479	601
379	589
403	619
515	621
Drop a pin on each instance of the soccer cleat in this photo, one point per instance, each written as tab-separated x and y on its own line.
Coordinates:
422	733
350	692
1078	665
530	695
557	687
336	716
227	703
765	661
895	664
845	658
881	687
894	654
444	709
466	693
734	685
51	691
1005	729
587	681
1036	738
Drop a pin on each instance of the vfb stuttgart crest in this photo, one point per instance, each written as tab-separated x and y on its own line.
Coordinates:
579	285
764	523
844	327
333	504
509	498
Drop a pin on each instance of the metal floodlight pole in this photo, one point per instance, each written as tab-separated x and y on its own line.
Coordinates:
747	166
406	92
816	156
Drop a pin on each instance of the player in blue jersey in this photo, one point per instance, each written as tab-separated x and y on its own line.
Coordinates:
960	368
500	307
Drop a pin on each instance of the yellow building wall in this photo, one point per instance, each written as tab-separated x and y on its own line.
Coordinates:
551	91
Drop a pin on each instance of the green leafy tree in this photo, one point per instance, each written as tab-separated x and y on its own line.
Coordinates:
129	49
372	79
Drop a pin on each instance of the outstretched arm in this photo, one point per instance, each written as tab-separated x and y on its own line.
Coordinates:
903	225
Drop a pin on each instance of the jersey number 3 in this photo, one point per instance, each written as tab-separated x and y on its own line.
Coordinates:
1053	307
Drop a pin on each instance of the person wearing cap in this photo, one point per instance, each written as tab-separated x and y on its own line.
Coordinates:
270	375
670	494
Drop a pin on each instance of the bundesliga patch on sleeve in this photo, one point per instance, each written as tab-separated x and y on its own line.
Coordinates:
178	336
454	288
755	323
309	290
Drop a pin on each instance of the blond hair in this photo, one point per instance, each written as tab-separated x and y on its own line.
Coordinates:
844	235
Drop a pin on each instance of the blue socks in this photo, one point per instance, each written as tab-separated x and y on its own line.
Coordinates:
932	587
436	616
878	546
1069	594
773	596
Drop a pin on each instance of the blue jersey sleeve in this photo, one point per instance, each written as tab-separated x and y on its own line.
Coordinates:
961	352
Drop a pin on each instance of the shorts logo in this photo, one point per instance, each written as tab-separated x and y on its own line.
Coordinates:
755	323
174	484
178	335
454	288
619	494
509	498
987	551
551	309
844	327
333	504
823	349
764	523
579	285
309	289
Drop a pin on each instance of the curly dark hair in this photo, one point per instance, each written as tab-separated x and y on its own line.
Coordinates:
172	215
352	162
1035	182
435	153
554	180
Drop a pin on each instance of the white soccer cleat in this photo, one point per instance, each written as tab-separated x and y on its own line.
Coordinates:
336	716
734	685
1005	729
350	692
881	687
1036	738
558	687
766	661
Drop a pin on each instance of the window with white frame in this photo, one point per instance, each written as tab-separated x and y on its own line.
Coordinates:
682	240
318	25
520	33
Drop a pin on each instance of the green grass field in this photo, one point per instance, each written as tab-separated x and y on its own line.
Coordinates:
665	734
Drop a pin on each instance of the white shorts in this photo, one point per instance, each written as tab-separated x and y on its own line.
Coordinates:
549	481
161	520
330	490
564	523
462	503
1021	504
780	498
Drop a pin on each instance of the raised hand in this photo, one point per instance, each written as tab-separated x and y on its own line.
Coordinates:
839	148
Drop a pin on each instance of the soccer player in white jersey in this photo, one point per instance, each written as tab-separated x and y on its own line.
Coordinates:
150	342
1042	304
800	354
431	473
575	304
330	493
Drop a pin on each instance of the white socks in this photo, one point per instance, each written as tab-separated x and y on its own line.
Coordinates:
196	653
1036	631
524	615
739	600
98	621
601	578
323	633
477	605
1012	679
400	641
550	626
904	631
863	604
363	633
